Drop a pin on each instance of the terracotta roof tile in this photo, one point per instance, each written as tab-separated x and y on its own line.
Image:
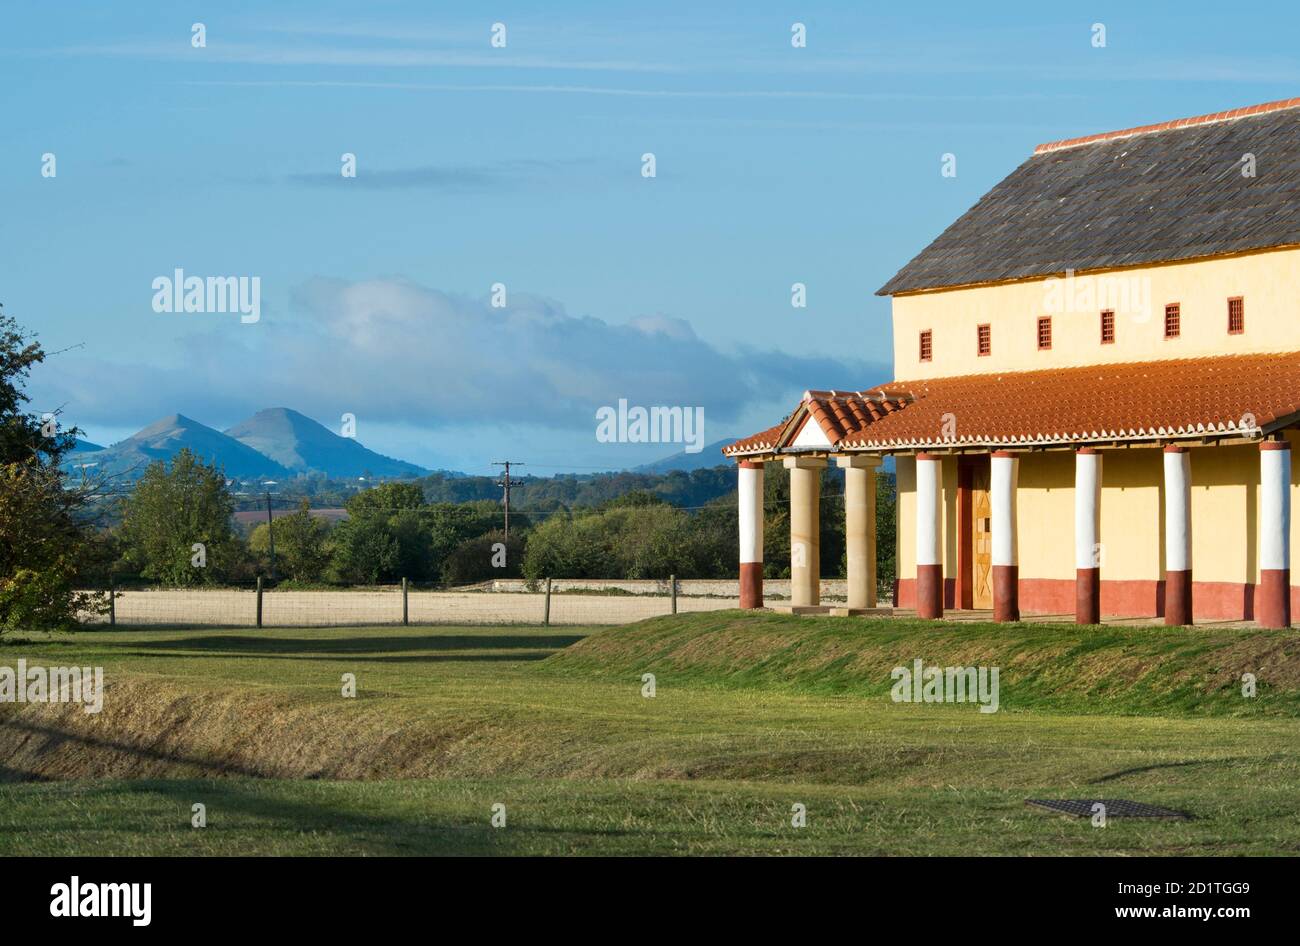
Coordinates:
762	441
1228	395
838	413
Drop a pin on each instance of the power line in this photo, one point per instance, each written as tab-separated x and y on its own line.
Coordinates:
504	483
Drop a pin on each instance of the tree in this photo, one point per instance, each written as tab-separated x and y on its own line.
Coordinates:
485	557
384	537
302	550
652	540
635	497
43	546
44	532
386	498
568	546
392	533
176	524
366	550
24	436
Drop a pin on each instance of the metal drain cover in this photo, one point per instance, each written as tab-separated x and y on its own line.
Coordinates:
1115	808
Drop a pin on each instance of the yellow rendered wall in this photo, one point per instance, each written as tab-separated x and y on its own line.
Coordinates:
905	530
1225	514
1267	282
1132	514
1225	502
1045	515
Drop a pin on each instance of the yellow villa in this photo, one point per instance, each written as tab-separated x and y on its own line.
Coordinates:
1100	367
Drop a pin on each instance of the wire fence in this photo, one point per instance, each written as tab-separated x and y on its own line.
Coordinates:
259	606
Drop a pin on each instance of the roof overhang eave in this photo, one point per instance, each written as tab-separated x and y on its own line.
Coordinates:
1060	443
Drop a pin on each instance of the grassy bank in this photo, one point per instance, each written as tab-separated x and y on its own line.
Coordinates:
552	724
1056	667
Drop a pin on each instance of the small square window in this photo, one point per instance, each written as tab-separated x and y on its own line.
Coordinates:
1173	320
927	345
1236	315
1108	327
1044	333
984	339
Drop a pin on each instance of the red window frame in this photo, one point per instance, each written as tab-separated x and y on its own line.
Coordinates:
1236	315
1108	326
927	344
1044	332
984	339
1173	320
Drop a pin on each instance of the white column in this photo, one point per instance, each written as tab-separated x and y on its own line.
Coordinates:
1178	536
1273	595
1275	509
1004	475
1087	536
750	489
929	553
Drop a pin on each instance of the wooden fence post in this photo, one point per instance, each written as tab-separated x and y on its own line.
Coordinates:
546	615
672	582
259	600
406	614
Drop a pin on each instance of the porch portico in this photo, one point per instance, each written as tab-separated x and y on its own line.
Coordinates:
1181	519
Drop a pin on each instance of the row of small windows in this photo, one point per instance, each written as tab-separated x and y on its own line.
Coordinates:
1173	328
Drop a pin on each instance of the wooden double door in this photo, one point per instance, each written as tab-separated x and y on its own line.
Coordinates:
975	534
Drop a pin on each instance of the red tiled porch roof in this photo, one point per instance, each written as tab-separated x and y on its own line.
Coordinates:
1227	396
838	413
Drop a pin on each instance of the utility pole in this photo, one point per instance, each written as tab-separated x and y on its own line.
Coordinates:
270	532
504	483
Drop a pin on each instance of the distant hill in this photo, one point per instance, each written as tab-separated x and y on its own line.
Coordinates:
164	438
302	445
708	457
84	446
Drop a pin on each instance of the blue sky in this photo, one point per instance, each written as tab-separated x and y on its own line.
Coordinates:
522	165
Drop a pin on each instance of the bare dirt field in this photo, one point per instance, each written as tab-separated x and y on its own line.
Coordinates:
231	608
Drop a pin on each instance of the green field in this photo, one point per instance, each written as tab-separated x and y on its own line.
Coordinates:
752	714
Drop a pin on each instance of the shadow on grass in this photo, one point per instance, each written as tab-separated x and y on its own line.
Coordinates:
252	644
359	658
261	812
1143	769
58	737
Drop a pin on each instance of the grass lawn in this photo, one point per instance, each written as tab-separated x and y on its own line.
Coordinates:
752	714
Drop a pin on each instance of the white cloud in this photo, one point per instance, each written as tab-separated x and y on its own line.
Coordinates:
395	352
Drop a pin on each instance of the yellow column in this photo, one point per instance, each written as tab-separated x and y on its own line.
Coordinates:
805	538
860	528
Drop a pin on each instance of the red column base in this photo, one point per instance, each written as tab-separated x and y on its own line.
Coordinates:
751	584
1006	593
1087	596
1178	598
929	591
1273	598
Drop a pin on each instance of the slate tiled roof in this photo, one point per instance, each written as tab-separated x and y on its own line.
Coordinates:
1172	191
1230	395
